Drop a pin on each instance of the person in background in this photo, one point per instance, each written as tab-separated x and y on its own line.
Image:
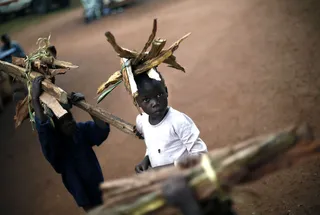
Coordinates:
10	48
67	146
93	9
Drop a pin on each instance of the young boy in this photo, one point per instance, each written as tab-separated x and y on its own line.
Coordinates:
68	148
169	134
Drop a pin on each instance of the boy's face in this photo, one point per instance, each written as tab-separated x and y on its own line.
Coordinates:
153	98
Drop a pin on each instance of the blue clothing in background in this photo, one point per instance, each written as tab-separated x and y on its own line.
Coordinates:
74	158
15	50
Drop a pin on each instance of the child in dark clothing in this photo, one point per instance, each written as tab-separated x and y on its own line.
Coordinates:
68	148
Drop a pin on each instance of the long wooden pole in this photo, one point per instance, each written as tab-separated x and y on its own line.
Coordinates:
62	96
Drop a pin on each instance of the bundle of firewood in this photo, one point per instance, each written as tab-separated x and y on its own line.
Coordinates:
214	174
43	62
134	63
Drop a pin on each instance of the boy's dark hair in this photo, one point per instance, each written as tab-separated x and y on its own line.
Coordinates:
139	79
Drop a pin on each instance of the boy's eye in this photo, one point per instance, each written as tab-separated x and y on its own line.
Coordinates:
159	95
146	100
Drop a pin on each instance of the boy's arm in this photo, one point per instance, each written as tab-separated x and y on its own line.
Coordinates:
138	128
50	144
94	134
46	133
145	163
189	134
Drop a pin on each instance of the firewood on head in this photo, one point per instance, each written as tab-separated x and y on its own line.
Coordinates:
171	61
160	58
156	48
147	45
144	60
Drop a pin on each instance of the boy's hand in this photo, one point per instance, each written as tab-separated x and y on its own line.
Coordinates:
138	134
76	97
37	87
143	166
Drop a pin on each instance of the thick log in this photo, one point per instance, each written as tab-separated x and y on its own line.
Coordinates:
19	73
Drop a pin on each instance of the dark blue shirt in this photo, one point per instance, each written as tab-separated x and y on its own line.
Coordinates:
74	158
17	51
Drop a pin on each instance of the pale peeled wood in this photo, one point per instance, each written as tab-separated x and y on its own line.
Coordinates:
53	104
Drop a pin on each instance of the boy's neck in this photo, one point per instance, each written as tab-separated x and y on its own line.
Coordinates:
154	120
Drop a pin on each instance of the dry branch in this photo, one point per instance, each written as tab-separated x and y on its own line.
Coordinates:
242	163
121	51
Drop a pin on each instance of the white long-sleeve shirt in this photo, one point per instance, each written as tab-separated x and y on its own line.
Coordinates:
171	139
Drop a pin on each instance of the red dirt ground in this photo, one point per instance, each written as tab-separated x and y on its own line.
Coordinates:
252	67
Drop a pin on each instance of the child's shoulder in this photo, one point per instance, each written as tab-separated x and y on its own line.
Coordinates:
142	117
179	117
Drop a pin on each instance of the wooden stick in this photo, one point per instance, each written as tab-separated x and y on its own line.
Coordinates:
62	96
113	120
